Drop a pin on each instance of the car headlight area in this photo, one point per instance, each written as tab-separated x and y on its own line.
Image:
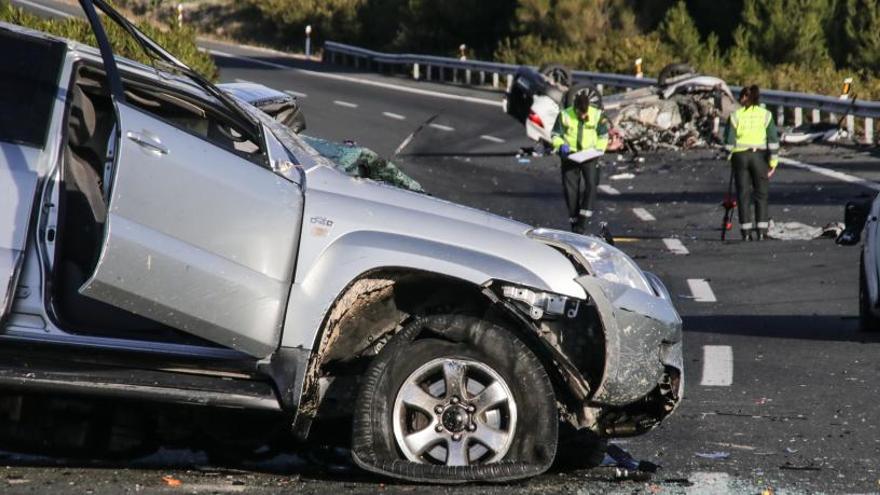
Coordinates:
597	257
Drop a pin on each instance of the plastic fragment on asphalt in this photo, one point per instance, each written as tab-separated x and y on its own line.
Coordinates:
171	481
623	176
715	456
796	231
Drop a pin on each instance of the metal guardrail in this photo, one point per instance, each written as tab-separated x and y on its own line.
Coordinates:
448	68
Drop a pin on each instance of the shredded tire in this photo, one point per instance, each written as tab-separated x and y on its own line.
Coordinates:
533	449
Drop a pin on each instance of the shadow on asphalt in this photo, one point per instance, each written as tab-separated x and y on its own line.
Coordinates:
801	327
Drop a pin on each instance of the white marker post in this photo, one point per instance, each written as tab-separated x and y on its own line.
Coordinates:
309	41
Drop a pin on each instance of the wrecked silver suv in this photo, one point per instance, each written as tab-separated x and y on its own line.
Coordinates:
163	241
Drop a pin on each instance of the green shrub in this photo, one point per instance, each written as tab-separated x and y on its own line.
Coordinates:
181	42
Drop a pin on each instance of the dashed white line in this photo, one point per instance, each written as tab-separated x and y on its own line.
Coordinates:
834	174
701	290
296	93
44	8
643	214
395	116
442	127
675	246
609	190
345	104
717	366
379	84
492	139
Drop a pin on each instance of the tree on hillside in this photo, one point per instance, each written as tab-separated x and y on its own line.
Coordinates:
786	31
863	34
434	26
336	18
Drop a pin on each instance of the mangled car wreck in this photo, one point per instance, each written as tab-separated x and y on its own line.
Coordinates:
163	240
682	110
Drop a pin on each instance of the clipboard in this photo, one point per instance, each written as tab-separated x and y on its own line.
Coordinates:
585	155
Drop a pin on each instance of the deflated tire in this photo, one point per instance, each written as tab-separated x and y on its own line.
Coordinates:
453	398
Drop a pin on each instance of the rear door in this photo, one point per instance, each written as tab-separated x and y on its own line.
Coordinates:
197	236
29	76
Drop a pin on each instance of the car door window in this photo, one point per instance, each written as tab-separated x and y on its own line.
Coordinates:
197	118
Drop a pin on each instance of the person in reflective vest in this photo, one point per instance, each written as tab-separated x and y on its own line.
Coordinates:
580	127
753	143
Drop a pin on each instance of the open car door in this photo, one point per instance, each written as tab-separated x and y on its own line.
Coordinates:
197	237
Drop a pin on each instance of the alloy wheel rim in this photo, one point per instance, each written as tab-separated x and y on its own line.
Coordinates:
454	412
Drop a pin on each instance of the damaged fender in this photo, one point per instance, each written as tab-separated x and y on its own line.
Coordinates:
642	338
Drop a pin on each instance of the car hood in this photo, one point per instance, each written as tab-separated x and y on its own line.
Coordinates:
329	180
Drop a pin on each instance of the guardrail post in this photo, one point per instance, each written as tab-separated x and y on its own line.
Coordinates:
816	116
869	131
467	77
495	79
482	78
798	116
428	75
780	116
509	82
851	125
600	88
416	72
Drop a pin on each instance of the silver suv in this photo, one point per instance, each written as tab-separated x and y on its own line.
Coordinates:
162	240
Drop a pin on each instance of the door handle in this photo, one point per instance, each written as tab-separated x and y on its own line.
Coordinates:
150	144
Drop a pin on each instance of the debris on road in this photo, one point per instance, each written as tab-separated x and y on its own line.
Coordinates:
623	176
796	231
715	456
171	480
822	132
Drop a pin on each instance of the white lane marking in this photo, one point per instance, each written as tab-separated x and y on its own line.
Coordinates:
379	84
717	366
608	190
442	127
834	174
395	116
701	290
345	104
44	8
296	93
644	214
675	246
491	138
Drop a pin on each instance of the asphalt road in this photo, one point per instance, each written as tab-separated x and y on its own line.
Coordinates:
793	412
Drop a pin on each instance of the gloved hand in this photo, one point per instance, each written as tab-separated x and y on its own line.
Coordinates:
774	162
564	150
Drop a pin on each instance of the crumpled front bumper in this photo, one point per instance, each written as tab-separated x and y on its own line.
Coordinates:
643	343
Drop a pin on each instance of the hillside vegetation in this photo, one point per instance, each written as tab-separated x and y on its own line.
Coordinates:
181	42
805	45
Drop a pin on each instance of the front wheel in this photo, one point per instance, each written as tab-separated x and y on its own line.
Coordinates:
452	399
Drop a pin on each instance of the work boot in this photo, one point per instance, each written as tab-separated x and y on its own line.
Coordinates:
761	235
747	235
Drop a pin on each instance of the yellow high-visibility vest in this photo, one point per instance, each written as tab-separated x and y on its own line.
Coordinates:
589	136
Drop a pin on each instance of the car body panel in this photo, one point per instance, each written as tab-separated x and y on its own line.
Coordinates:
353	226
871	253
642	337
21	168
197	238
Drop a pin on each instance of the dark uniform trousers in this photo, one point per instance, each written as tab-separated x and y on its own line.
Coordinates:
579	183
750	170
